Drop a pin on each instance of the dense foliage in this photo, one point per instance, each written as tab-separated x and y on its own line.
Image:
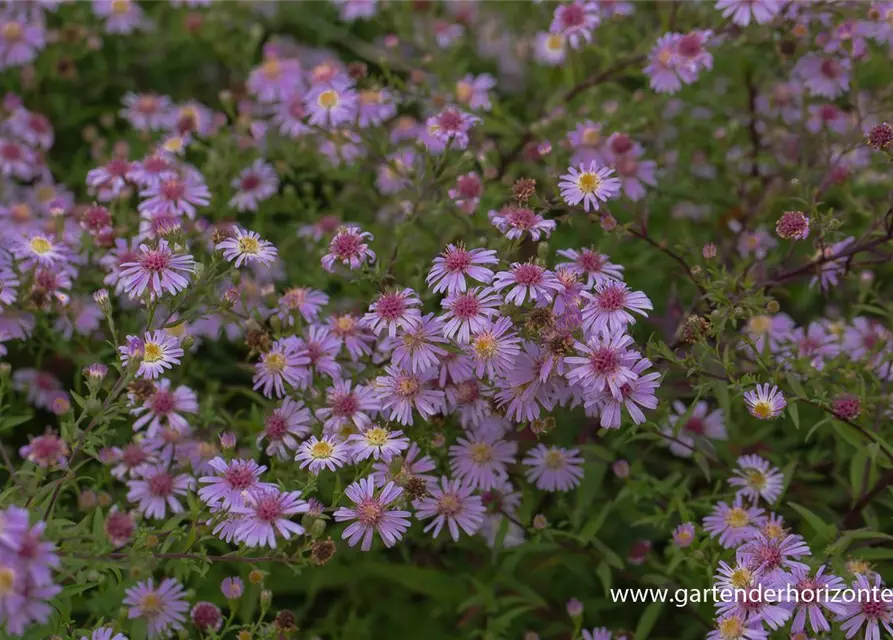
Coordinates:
435	320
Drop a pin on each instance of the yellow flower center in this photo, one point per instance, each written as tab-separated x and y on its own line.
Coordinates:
41	245
554	460
151	604
408	387
120	6
275	362
756	478
731	628
328	99
271	68
45	193
248	244
481	453
555	42
13	32
173	145
322	449
760	324
737	517
345	323
368	96
152	352
762	409
588	182
858	567
485	346
376	436
449	505
741	578
464	92
591	136
683	537
7	577
773	531
664	56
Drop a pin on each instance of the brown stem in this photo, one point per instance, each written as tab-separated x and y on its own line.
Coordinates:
852	517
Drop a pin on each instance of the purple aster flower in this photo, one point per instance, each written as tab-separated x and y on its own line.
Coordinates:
596	267
742	11
376	106
121	16
598	633
481	458
20	40
453	504
553	468
146	111
157	351
401	391
264	513
606	310
276	79
764	403
734	525
280	365
411	465
163	408
232	481
37	249
494	348
605	365
110	180
348	406
701	426
760	603
392	310
469	313
158	270
254	185
352	10
575	21
514	222
332	103
813	598
417	348
769	331
757	242
527	280
315	454
831	268
634	394
588	185
180	196
232	588
290	115
283	427
770	558
17	160
105	633
349	247
456	262
163	608
467	192
247	246
684	535
757	479
301	300
550	48
370	514
474	91
823	76
735	626
33	128
42	387
871	609
449	127
378	443
588	143
394	174
156	489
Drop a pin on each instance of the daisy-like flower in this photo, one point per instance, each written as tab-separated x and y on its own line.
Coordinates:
301	300
377	442
37	249
157	351
371	514
332	103
47	450
375	107
481	459
527	280
813	597
109	180
254	185
596	267
179	196
280	365
871	609
156	270
453	504
550	48
467	194
494	349
469	313
156	489
700	427
456	262
121	16
684	535
105	633
742	11
553	468
734	525
575	21
265	513
17	160
417	348
346	406
163	608
608	304
605	363
393	310
598	633
772	557
401	391
145	111
823	76
232	481
734	626
757	479
634	394
765	403
759	603
514	222
247	246
473	91
327	452
350	247
164	408
588	185
20	40
449	127
284	427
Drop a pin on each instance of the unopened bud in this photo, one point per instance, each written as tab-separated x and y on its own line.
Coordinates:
540	522
256	576
228	440
620	468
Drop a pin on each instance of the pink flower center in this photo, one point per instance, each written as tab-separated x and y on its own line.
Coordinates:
604	360
830	68
10	151
268	508
828	112
155	164
46	448
346	245
457	261
314	351
119	526
38	124
147	105
770	556
250	182
611	299
467	392
627	166
369	511
450	120
466	306
689	45
875	609
590	261
173	189
239	477
163	402
117	168
528	274
154	260
96	218
391	306
296	108
695	425
407	386
469	186
621	143
521	218
275	427
344	405
133	455
294	298
573	15
161	484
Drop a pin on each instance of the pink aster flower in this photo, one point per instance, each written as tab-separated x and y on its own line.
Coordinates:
701	426
575	21
109	180
38	249
608	304
453	504
164	408
635	395
163	608
371	514
393	310
824	76
870	609
156	270
473	91
596	267
332	103
605	363
514	222
831	267
550	48
279	366
42	386
469	313
757	479
527	280
378	443
494	348
455	263
401	391
316	454
349	247
146	111
742	11
180	196
157	351
417	348
813	597
265	513
254	185
156	489
684	535
276	79
481	458
17	160
771	558
47	450
121	16
347	406
449	127
20	40
105	633
734	525
290	117
231	482
764	403
354	337
588	185
284	427
598	633
467	192
301	300
553	468
411	464
247	246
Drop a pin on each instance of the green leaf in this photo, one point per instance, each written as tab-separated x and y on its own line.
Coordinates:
818	524
795	415
604	574
648	620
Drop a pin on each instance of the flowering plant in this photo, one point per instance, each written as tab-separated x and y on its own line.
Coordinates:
361	318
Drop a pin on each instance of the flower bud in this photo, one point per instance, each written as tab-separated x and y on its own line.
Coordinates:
540	522
574	608
256	576
322	551
232	588
227	440
620	468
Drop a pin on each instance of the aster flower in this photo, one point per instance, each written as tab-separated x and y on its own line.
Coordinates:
634	394
393	310
453	504
410	465
598	633
370	514
575	21
156	489
812	598
346	406
455	263
332	103
20	40
109	180
467	193
588	185
284	427
469	313
550	48
145	111
37	249
47	450
735	626
527	280
105	633
164	408
180	196
684	535
279	366
553	468
481	458
302	300
255	184
606	310
349	247
473	91
773	557
449	127
605	363
760	603
232	588
121	16
764	403
494	348
157	351
264	514
377	442
823	76
700	426
871	609
42	386
276	79
757	479
742	11
247	246
401	391
596	267
417	348
163	608
17	160
231	482
326	452
156	270
831	265
734	525
514	222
